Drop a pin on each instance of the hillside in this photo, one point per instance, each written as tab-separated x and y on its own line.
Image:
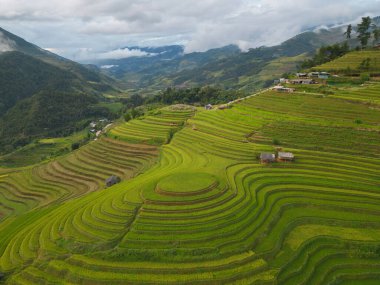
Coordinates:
43	94
227	66
196	205
359	61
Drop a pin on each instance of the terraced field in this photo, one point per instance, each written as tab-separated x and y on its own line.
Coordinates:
154	130
353	61
207	212
75	175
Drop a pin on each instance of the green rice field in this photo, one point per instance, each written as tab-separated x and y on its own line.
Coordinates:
196	205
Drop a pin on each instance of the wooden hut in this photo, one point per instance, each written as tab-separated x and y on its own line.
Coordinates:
112	180
266	157
285	156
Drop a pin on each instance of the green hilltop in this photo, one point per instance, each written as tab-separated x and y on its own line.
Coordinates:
314	220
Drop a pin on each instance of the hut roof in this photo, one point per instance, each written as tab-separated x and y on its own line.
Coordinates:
267	156
288	155
112	179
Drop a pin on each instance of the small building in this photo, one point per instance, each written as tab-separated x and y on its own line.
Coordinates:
285	156
314	74
266	157
93	131
377	46
92	125
283	89
208	107
301	75
324	75
303	81
112	180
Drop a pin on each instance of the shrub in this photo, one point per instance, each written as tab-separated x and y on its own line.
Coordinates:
127	117
276	142
358	121
75	146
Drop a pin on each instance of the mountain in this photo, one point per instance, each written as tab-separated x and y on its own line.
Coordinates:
43	94
227	66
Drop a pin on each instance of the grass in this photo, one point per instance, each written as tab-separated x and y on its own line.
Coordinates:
186	183
200	208
353	61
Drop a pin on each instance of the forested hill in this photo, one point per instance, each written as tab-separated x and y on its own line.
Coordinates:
43	94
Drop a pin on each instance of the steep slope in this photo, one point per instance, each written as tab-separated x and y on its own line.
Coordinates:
42	94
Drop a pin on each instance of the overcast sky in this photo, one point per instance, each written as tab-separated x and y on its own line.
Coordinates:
82	29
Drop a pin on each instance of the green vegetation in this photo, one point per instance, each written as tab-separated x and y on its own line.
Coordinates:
326	54
43	95
196	206
42	150
354	62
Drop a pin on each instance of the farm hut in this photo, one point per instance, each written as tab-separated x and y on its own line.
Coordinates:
208	107
377	46
112	180
285	156
266	157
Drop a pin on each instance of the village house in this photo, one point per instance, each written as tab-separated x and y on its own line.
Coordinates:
285	156
324	75
281	80
112	180
303	81
208	107
302	75
92	125
283	89
314	74
266	157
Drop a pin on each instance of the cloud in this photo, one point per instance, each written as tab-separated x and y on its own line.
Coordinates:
89	54
122	53
6	44
73	25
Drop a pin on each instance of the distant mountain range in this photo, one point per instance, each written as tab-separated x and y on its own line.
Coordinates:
228	66
43	94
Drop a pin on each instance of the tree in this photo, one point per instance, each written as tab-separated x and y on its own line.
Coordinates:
363	31
376	35
348	32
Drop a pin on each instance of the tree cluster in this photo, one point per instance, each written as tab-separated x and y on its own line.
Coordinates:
326	54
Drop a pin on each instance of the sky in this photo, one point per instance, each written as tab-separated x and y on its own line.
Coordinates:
92	29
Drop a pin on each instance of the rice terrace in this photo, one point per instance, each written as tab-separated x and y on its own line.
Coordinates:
280	185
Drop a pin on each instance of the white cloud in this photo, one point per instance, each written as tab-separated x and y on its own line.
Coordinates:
108	66
88	54
122	53
71	25
6	44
